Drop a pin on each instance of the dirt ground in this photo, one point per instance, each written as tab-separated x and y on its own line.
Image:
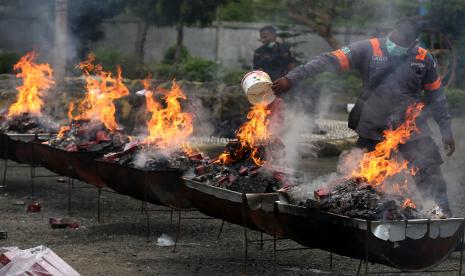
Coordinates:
119	244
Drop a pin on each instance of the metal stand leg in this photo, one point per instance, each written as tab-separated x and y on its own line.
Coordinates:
461	255
147	216
32	182
261	240
171	215
331	260
246	249
221	230
98	204
69	195
359	267
274	256
178	231
5	169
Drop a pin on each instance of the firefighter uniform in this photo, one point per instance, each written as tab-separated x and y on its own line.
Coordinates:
385	96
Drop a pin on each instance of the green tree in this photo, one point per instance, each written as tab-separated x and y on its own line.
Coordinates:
177	13
85	20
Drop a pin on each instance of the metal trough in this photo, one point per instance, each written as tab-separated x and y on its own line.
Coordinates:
410	245
18	147
74	164
162	187
255	211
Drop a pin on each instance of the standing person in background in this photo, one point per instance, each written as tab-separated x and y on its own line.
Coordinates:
272	57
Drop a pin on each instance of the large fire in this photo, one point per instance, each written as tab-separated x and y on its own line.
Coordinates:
378	165
36	78
251	134
168	127
102	89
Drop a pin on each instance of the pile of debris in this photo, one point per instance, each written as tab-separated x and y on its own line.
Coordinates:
146	156
353	197
86	135
26	123
241	173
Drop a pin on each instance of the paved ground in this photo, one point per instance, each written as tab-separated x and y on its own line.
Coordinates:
119	246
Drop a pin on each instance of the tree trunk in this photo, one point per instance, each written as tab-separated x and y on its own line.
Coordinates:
143	39
318	20
179	40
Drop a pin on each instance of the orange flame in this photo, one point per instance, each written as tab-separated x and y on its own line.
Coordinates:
36	78
255	130
102	90
168	127
250	135
408	203
376	166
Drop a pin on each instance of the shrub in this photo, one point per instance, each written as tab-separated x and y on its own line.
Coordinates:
231	76
131	65
455	97
168	58
7	61
197	69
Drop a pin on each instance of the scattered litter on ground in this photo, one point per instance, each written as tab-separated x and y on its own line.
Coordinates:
34	207
165	240
37	261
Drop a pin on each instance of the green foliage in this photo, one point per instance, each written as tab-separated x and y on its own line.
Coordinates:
348	83
7	61
130	64
254	11
198	69
168	58
455	98
231	76
85	18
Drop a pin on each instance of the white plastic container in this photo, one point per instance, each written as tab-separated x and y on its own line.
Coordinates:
257	87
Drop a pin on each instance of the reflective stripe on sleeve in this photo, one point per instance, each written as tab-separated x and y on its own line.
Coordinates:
342	58
377	52
434	85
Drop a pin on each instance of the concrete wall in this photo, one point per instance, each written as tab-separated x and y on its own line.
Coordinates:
232	43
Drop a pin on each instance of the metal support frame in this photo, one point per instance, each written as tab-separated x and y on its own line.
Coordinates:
261	241
31	166
367	253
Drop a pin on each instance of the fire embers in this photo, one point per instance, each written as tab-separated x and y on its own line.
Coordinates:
168	129
25	114
354	198
244	166
145	156
84	135
235	169
27	123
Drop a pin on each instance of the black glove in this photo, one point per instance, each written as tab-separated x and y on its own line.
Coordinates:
281	85
449	144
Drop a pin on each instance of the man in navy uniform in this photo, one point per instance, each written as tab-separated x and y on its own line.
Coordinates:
396	73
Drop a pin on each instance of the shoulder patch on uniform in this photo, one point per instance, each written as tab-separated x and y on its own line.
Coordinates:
345	50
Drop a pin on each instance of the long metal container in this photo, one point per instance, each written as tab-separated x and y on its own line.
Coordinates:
74	164
253	210
18	147
162	187
409	245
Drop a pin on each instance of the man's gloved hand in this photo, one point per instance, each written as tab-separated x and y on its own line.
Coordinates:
449	144
281	85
